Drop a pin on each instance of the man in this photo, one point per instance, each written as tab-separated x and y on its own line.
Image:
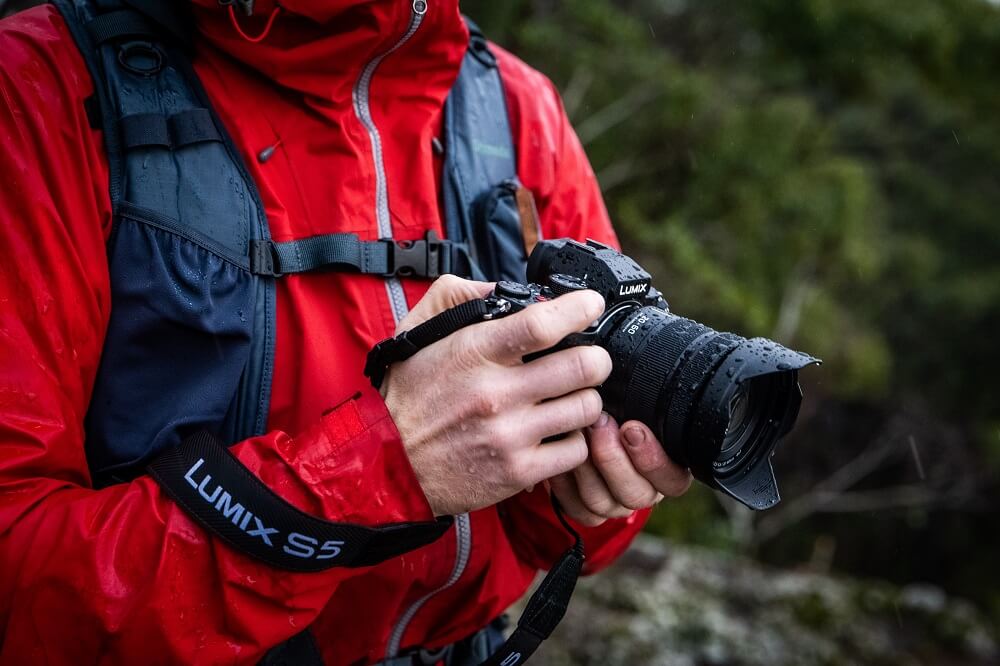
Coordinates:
335	106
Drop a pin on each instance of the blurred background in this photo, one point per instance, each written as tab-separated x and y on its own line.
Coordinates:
825	173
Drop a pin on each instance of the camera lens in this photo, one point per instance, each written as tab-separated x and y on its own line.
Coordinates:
718	402
739	429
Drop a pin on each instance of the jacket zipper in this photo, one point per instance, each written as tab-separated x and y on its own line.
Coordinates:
463	538
362	109
397	299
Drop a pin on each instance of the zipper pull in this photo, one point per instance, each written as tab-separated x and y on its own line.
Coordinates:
419	7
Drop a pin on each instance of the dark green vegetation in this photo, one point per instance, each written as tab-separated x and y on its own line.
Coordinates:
827	173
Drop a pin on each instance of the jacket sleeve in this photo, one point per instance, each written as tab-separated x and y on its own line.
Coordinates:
88	574
553	165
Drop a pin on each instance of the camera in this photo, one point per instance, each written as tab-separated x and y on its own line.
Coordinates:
718	402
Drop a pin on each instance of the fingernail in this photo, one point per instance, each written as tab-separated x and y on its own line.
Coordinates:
634	435
601	421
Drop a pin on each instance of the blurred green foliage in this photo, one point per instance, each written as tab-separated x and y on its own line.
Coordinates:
824	172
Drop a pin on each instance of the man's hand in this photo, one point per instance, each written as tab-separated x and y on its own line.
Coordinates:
472	415
627	470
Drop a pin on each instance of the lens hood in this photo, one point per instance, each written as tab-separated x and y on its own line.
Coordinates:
770	370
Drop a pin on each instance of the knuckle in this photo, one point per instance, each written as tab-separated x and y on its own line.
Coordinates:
589	519
486	402
605	451
447	282
681	486
504	440
635	500
590	405
598	364
595	304
578	452
535	328
598	503
517	474
581	369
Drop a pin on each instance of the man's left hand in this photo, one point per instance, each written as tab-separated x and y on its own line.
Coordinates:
627	470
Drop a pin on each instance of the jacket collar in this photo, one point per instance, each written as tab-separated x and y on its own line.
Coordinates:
319	48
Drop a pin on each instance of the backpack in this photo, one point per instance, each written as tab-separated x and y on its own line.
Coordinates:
190	340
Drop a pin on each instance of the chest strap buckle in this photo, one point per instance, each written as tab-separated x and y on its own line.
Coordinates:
429	257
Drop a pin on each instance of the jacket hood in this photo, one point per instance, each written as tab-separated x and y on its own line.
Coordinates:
316	47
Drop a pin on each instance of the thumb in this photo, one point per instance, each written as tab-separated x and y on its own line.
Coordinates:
446	292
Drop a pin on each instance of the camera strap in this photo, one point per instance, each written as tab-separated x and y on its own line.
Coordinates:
547	606
227	499
408	343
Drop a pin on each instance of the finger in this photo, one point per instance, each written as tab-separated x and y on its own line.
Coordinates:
652	462
552	459
608	455
569	412
540	326
595	493
563	372
446	292
564	489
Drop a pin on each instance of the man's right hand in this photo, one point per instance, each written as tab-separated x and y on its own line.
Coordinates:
472	415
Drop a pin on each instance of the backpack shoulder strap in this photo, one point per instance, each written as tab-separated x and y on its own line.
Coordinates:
174	169
480	166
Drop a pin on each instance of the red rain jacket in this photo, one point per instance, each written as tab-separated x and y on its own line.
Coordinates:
122	575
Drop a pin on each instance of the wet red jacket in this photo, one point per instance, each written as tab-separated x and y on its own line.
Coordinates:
122	575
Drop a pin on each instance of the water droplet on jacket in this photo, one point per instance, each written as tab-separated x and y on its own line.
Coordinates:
784	366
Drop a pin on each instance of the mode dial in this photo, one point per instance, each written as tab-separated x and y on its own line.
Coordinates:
560	283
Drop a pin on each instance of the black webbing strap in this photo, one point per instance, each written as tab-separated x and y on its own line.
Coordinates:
145	129
184	128
408	343
118	25
430	257
223	496
546	607
192	126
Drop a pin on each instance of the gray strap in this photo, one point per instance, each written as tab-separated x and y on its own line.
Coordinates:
328	252
429	257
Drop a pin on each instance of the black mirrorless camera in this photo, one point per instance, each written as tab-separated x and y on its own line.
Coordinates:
718	402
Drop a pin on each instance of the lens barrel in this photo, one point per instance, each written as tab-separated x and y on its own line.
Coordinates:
718	402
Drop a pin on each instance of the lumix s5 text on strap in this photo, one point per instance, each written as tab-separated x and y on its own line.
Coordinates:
230	502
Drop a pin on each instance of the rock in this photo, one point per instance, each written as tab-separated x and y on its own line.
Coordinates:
672	605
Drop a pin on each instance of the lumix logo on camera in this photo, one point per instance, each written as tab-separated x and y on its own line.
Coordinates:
633	289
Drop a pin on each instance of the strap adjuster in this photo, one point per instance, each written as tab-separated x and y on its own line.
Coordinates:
264	259
429	257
